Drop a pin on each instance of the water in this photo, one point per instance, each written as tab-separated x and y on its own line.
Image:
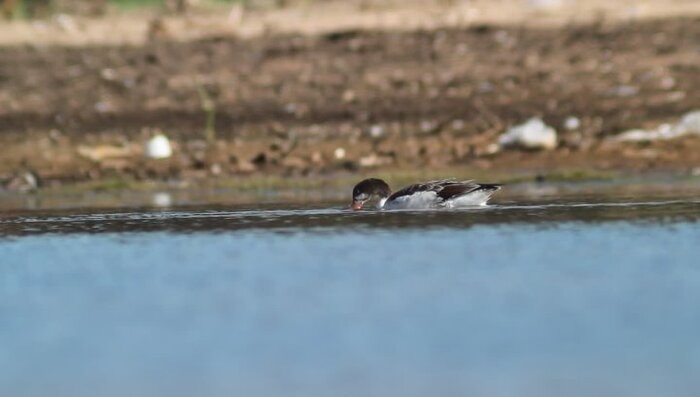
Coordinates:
540	298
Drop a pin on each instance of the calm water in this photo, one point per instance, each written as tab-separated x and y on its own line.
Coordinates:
572	298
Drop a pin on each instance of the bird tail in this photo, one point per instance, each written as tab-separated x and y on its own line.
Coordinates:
489	187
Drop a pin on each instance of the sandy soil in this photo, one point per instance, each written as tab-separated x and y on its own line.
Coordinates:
347	98
324	16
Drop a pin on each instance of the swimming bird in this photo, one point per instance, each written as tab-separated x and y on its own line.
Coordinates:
445	193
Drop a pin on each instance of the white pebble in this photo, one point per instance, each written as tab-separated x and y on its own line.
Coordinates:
159	147
572	123
376	131
533	134
162	199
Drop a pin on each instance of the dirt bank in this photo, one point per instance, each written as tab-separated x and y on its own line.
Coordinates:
349	101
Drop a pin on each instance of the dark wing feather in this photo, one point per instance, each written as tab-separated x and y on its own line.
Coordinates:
432	186
446	189
457	189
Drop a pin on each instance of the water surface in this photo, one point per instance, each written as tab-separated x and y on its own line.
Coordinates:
570	297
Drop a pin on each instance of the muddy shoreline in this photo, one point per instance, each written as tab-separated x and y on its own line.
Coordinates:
392	101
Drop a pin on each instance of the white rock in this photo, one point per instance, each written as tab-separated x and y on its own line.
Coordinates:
533	134
638	135
572	123
688	125
376	131
339	153
162	199
492	148
159	147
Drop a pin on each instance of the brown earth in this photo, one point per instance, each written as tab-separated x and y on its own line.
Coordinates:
285	103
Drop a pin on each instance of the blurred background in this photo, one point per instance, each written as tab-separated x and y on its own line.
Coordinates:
175	178
132	94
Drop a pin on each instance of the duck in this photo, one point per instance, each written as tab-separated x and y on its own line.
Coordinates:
444	193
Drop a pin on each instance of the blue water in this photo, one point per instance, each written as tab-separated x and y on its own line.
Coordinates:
542	300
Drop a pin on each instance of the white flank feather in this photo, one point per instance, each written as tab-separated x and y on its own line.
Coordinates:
416	201
473	199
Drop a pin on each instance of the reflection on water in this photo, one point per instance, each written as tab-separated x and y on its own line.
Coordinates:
337	218
532	299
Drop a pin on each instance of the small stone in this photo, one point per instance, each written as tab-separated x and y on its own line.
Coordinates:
428	126
162	199
339	153
667	83
572	123
376	131
690	123
159	147
624	91
492	148
533	134
373	160
317	158
457	125
246	167
349	96
108	74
